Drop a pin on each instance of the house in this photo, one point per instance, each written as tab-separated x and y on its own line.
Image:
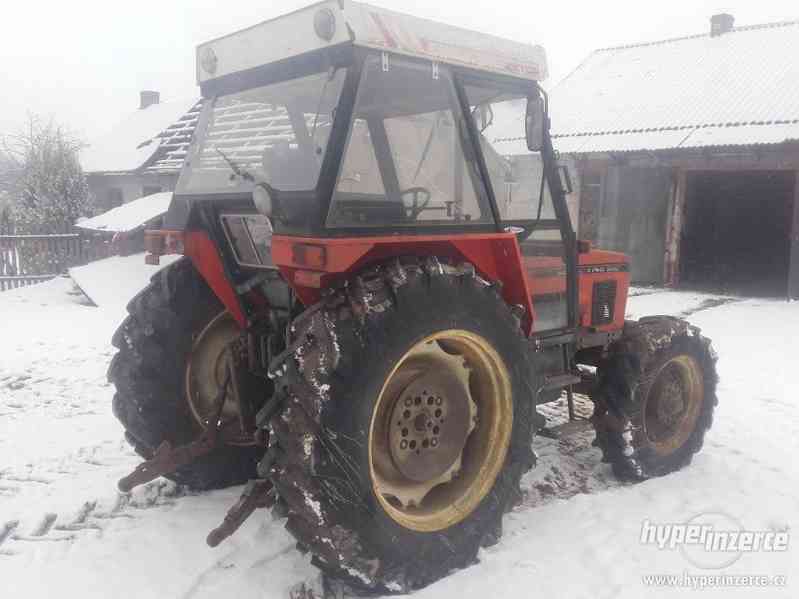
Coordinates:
686	153
141	155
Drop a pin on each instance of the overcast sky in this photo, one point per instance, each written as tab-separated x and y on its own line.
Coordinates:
83	62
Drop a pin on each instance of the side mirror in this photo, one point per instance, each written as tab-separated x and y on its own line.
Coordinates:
535	123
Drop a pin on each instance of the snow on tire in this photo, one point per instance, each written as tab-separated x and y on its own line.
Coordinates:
348	503
655	397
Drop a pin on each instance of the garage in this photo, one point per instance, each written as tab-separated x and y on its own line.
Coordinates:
686	157
736	235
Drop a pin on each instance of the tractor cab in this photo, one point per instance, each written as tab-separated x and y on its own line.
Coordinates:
371	126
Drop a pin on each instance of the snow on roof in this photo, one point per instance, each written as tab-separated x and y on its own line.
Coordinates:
737	88
130	216
156	137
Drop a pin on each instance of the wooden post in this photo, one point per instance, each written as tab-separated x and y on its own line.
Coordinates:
671	266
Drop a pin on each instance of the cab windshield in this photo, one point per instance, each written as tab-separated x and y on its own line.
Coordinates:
276	134
407	161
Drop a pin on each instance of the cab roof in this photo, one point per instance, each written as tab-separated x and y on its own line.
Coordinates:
334	23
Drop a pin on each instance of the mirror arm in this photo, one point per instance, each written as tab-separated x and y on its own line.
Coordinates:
566	178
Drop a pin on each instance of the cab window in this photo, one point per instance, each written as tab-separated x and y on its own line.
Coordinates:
516	173
404	163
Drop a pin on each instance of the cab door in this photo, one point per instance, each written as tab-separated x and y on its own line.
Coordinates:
523	198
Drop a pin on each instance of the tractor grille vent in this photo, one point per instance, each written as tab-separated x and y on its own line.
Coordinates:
603	299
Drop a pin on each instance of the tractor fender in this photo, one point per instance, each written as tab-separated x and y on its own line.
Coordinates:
205	257
495	256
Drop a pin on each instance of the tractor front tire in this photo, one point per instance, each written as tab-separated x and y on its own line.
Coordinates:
655	397
405	427
149	371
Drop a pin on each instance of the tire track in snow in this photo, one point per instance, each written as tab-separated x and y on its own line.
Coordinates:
53	527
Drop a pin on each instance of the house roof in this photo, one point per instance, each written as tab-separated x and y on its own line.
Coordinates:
130	216
736	88
154	138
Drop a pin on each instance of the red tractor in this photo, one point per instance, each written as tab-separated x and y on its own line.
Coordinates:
380	283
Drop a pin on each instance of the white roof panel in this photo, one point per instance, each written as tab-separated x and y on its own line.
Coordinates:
397	32
364	25
747	77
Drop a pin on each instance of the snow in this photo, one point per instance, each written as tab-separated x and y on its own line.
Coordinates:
130	216
576	533
132	142
694	91
129	273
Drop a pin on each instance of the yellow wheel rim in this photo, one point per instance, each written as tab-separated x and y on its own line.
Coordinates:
673	404
206	369
440	430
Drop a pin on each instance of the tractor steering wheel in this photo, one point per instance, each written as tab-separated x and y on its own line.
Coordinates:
421	199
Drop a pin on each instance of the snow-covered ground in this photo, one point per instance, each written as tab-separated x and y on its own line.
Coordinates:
65	530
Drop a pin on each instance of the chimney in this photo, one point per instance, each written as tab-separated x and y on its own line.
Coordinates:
721	24
148	98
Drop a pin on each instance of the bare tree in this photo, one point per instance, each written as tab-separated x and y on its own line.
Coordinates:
45	192
47	186
8	177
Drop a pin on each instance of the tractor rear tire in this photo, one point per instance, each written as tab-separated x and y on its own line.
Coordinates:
343	394
655	397
149	372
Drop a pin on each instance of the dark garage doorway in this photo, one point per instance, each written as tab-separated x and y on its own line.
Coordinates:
737	230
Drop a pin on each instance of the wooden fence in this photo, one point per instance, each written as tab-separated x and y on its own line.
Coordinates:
31	259
7	283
